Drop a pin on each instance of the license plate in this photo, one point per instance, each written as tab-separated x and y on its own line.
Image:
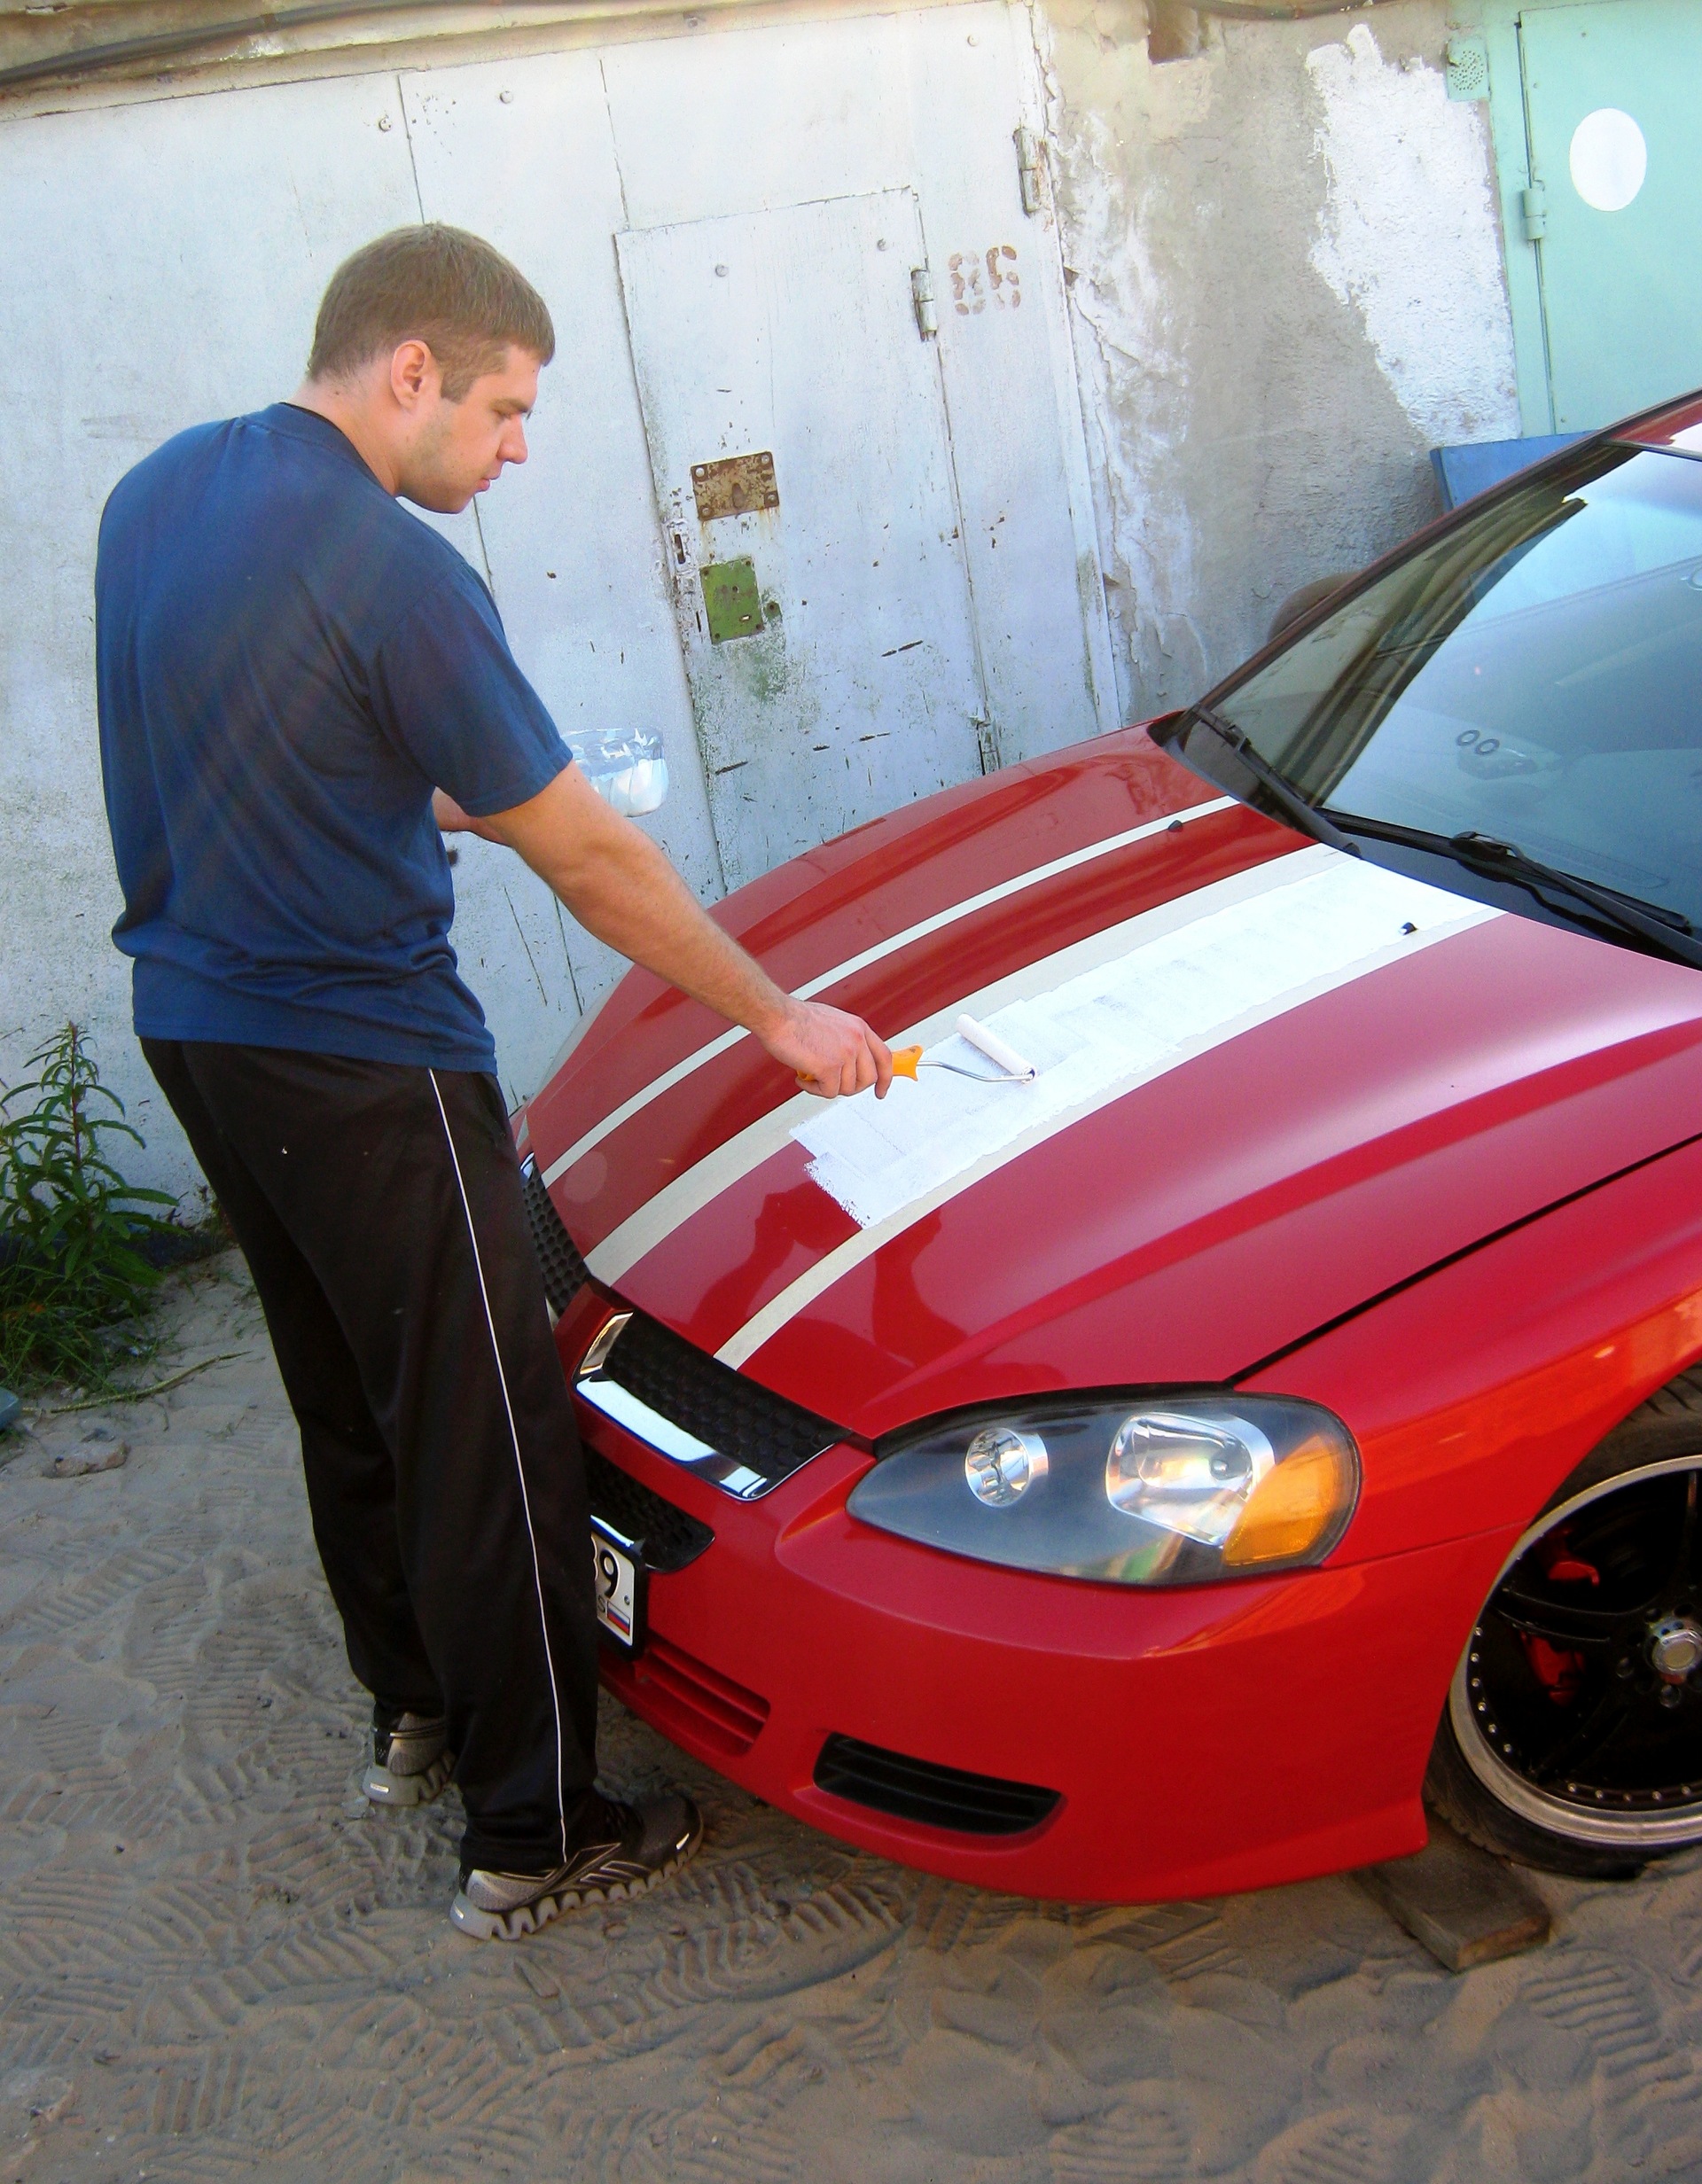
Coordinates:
618	1576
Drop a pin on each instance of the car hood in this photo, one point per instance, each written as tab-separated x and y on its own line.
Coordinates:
1274	1084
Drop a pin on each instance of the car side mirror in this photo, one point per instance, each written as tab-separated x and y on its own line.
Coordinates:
1304	600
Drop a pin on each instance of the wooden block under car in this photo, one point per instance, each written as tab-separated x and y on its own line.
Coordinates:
1464	1905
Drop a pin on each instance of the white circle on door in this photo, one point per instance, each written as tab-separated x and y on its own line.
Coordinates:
1609	160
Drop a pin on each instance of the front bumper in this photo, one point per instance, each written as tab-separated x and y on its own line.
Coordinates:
1194	1741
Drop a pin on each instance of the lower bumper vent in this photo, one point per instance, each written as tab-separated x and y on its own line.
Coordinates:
687	1699
938	1797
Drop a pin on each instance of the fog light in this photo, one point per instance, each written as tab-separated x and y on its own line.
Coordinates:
1001	1465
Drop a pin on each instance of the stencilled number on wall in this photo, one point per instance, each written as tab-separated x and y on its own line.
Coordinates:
981	276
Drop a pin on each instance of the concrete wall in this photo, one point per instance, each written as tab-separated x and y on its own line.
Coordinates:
1284	260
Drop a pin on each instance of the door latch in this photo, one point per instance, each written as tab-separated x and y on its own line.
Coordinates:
927	319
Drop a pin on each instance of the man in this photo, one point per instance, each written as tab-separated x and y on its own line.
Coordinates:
295	675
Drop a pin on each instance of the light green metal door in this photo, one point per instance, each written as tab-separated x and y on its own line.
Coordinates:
1611	94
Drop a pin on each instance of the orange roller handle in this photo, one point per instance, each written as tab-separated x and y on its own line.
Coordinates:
904	1063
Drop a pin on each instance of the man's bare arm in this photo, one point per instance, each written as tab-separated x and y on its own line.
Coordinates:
620	887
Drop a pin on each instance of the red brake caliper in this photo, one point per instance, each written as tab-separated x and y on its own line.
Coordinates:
1558	1669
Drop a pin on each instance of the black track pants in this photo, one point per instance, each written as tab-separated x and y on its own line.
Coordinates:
380	1207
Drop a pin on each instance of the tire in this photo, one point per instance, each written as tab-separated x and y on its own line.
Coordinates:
1572	1737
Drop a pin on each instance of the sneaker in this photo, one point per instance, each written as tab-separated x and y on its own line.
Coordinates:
633	1846
409	1764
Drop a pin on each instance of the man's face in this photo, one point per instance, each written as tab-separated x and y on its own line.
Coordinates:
457	448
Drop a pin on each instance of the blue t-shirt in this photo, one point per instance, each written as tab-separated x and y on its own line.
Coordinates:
288	663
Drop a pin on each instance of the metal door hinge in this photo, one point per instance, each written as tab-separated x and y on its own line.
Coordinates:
987	740
927	319
1028	159
1534	203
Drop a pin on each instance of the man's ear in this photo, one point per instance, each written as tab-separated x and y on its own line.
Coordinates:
414	374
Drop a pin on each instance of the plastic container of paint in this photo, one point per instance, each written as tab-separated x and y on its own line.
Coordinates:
626	768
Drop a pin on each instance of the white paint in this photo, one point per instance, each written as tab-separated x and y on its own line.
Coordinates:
744	1153
1408	237
1609	160
1319	920
982	1037
763	1325
828	979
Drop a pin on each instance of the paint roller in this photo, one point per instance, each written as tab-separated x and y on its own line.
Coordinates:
1010	1066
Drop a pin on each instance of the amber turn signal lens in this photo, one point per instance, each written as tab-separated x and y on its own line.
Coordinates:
1293	1507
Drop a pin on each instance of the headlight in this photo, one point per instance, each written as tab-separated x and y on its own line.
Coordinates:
1177	1491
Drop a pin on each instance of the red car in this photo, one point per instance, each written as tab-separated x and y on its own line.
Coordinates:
1149	1471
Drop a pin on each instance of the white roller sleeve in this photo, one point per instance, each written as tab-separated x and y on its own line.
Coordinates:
996	1050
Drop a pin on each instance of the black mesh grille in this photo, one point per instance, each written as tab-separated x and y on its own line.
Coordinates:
733	1415
938	1797
564	1270
670	1538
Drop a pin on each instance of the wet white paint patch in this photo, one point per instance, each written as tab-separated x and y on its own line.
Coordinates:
1407	237
1123	1023
1130	1014
617	1253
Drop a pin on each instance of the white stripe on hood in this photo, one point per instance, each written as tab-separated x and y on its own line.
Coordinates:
1322	921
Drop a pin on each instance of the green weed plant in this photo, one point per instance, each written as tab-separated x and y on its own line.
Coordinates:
73	1274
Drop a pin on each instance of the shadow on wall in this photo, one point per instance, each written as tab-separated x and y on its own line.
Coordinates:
1285	262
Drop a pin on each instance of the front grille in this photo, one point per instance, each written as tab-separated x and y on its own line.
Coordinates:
938	1797
669	1538
565	1273
688	1700
741	1420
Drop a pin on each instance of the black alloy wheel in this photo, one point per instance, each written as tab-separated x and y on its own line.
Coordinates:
1573	1735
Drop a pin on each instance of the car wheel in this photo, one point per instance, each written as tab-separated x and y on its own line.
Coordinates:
1572	1738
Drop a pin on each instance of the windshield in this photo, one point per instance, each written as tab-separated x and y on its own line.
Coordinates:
1533	675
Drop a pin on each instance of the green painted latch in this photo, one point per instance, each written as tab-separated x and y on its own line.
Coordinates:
731	600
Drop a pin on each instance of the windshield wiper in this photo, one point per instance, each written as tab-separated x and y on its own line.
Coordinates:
1299	814
1669	930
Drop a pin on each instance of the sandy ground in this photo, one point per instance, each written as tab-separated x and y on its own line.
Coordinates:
218	1962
